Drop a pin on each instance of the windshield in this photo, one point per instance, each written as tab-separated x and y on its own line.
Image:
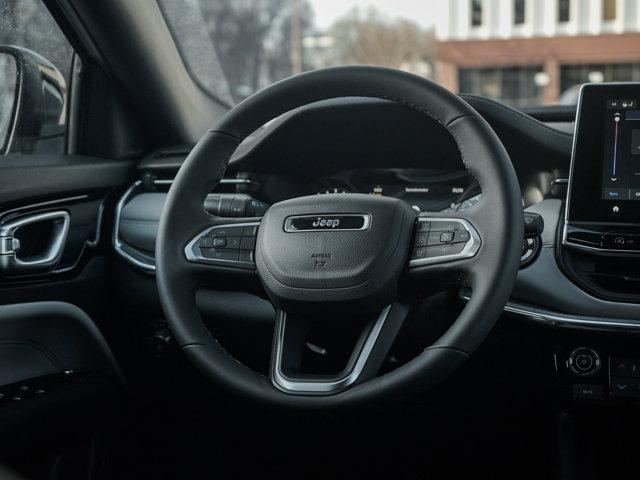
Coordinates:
524	53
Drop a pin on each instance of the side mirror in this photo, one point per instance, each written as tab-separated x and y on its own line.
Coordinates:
32	102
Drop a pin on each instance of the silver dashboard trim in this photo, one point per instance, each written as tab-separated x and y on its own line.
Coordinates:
328	386
470	249
552	318
118	244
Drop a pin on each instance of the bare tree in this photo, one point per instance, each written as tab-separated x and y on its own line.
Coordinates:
367	37
252	39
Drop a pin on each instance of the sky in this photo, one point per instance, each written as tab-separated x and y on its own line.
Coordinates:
421	11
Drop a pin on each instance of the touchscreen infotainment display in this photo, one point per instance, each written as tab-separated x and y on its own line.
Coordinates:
604	183
621	169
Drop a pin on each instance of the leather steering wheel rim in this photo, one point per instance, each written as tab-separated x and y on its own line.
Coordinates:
495	268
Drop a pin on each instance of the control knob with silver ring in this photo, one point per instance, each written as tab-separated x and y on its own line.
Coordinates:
584	362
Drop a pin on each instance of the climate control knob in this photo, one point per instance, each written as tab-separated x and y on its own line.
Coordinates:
584	362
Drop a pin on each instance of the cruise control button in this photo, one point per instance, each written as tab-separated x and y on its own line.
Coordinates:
446	249
219	242
439	238
248	243
215	254
445	226
205	242
446	237
462	236
232	231
233	243
421	240
419	253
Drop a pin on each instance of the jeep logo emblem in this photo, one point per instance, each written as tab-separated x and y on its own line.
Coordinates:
326	222
331	222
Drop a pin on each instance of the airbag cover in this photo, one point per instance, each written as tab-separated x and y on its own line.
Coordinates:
316	259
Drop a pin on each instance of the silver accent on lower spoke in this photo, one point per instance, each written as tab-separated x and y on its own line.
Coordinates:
330	385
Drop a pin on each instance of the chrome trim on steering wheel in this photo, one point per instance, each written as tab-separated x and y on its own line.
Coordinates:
330	385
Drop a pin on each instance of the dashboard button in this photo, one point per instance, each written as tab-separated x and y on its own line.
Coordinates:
589	392
623	367
625	387
620	241
584	362
446	249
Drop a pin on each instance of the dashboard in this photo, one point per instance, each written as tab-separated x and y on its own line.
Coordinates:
424	189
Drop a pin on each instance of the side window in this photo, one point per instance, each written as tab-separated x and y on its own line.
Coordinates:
35	65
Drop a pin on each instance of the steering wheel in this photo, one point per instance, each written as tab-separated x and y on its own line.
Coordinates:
341	256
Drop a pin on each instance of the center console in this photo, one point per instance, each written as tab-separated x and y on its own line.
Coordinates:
603	204
600	238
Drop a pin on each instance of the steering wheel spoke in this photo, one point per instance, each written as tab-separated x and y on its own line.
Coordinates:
369	353
444	250
225	245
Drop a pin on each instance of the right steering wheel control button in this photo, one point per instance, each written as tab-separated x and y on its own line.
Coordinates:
446	237
419	253
451	239
444	250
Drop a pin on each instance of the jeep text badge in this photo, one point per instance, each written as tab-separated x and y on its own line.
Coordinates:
329	222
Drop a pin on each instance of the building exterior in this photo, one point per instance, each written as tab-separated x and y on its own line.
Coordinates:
527	52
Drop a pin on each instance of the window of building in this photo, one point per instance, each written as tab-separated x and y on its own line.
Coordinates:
476	13
609	9
515	86
519	11
564	10
572	76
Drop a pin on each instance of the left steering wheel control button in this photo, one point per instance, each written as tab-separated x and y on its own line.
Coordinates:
226	231
225	246
215	254
218	242
206	242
